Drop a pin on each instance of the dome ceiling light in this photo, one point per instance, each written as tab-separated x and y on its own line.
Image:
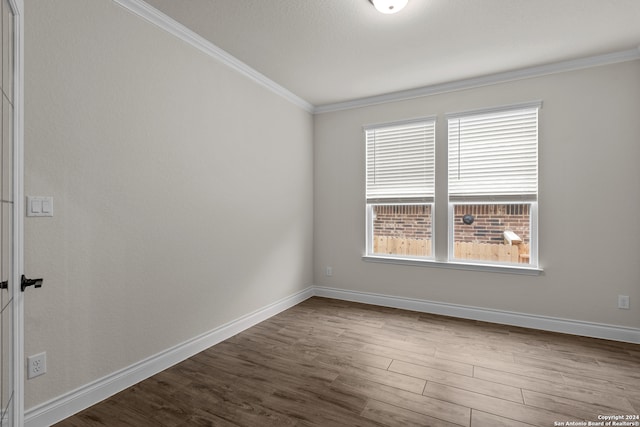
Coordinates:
389	6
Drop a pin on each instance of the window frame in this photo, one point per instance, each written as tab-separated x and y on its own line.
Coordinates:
441	258
370	230
533	233
527	196
403	199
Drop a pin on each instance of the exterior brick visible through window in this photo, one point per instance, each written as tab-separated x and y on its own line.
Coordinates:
405	221
490	221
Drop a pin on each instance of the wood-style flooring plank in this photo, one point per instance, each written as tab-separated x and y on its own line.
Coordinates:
382	376
587	395
597	384
570	407
620	374
518	369
475	354
425	405
635	402
507	409
477	385
393	416
234	399
107	414
422	359
483	419
305	408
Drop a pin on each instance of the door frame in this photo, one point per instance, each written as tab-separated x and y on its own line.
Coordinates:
18	213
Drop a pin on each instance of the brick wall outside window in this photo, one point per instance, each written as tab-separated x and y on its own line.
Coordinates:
406	221
490	221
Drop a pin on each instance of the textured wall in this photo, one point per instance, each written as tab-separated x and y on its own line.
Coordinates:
182	192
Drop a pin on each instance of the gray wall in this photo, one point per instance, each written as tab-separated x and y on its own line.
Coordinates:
182	192
588	204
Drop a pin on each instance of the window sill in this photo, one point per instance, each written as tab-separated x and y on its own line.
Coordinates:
456	265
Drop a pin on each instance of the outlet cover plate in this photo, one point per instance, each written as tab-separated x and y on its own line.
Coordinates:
623	302
36	365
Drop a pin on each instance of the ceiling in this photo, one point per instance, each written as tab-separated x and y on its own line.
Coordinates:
331	51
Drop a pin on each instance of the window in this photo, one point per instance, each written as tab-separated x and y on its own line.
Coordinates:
493	186
400	183
489	188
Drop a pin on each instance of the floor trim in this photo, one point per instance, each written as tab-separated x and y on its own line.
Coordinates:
83	397
75	401
545	323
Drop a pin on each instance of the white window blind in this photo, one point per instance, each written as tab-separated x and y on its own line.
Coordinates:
494	154
400	161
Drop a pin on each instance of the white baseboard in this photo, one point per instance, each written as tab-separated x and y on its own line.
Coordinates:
553	324
75	401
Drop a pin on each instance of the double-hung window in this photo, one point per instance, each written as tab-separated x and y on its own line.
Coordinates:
489	184
493	185
400	184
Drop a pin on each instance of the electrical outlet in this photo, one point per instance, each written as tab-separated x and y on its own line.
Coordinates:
328	271
623	302
36	365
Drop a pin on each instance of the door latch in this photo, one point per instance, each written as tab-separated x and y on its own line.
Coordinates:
4	285
24	283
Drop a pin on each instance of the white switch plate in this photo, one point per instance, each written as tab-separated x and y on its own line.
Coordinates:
39	206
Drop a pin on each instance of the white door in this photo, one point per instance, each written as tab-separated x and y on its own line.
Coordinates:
11	300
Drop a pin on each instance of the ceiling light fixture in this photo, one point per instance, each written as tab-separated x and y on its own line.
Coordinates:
389	6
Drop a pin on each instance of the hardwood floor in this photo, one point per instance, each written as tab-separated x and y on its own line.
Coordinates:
335	363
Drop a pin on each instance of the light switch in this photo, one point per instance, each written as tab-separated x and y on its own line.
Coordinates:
39	206
46	205
36	206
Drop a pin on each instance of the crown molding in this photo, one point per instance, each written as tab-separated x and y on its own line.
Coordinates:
491	79
155	17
